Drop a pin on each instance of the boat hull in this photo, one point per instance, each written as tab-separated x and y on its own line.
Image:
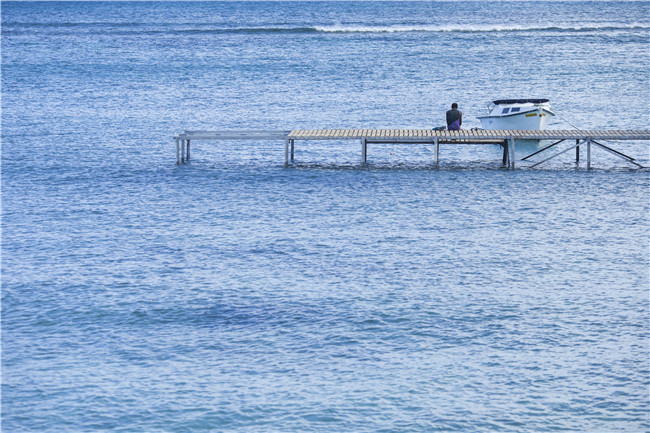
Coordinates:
529	120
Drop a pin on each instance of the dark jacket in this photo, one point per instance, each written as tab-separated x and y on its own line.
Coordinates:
452	116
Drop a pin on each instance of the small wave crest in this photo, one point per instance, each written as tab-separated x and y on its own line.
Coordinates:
189	28
477	28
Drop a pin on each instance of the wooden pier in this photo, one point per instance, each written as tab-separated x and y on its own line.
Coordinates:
587	139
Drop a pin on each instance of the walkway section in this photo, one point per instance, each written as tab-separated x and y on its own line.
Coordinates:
506	138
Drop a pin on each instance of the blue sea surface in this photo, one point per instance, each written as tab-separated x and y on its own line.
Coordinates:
231	294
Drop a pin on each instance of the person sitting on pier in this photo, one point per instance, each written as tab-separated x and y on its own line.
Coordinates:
454	118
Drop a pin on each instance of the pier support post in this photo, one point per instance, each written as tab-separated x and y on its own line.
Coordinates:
286	152
577	152
588	154
573	146
178	145
182	150
364	150
292	149
436	151
511	148
505	151
188	150
616	153
542	150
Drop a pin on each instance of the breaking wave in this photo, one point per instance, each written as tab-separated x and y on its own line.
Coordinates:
477	28
191	28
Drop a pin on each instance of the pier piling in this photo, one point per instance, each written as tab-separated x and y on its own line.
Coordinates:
286	152
436	151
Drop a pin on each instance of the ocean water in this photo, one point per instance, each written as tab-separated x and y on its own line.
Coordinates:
231	294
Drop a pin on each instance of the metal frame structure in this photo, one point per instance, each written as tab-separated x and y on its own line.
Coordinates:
505	138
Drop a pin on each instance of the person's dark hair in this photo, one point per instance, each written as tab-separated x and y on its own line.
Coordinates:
454	106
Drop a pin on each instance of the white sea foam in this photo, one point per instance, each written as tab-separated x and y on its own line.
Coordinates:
338	28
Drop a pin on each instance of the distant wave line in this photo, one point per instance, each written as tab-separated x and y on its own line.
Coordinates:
194	28
476	29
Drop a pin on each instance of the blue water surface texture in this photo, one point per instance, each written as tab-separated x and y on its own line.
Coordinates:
232	294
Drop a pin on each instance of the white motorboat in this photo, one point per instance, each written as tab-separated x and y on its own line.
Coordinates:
525	114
